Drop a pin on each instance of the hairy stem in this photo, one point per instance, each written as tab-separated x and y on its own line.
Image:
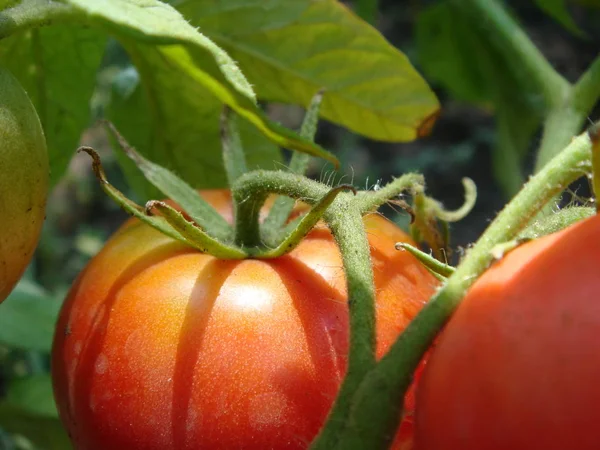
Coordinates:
376	406
283	206
345	221
250	192
344	218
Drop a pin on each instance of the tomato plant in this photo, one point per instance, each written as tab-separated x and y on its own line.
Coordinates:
23	181
517	366
193	329
160	346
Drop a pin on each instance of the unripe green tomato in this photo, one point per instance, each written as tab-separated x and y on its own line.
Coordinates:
23	181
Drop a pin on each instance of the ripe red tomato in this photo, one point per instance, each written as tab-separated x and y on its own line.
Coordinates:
518	365
161	347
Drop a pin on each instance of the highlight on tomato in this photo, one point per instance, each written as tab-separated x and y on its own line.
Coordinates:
159	346
517	366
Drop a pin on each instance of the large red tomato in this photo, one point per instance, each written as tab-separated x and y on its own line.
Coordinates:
161	347
518	365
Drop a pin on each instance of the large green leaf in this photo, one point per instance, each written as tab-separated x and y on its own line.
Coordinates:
57	67
27	317
290	49
160	39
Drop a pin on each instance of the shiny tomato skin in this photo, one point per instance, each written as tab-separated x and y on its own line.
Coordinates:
518	365
161	347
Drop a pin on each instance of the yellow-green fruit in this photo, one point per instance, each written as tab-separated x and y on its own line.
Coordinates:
23	181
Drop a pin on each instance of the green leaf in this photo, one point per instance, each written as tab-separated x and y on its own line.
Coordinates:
27	317
45	432
153	31
33	394
57	67
174	188
185	61
463	60
289	50
453	53
174	122
557	9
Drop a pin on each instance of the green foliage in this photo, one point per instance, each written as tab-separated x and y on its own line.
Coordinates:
33	394
289	50
28	411
168	49
171	114
57	66
27	317
44	432
465	60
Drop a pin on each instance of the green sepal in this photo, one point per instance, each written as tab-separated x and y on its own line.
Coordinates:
306	224
157	222
283	206
193	234
556	221
233	152
432	264
177	190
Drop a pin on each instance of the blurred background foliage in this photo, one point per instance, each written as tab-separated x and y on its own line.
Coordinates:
451	56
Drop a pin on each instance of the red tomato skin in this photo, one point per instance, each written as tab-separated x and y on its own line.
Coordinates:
518	365
161	347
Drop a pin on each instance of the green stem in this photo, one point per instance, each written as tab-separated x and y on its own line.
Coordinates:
369	201
345	221
250	192
304	226
376	406
506	157
344	218
233	152
560	126
531	67
427	260
587	89
458	214
594	134
556	221
283	206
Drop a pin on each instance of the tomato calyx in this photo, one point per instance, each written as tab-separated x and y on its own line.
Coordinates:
192	221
